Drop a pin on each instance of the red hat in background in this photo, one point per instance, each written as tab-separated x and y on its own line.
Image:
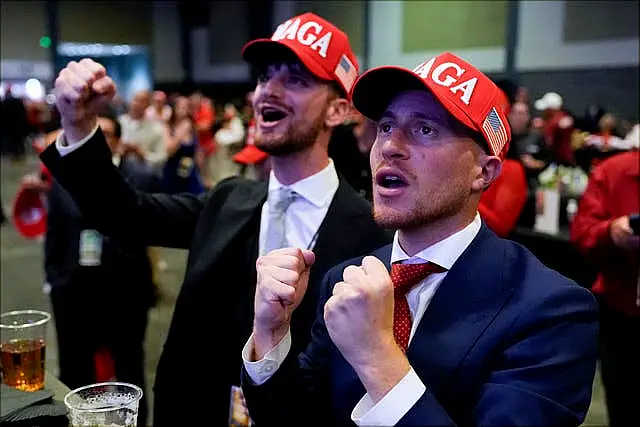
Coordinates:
250	154
321	46
466	93
30	213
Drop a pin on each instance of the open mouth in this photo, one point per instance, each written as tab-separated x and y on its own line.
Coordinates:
272	114
390	180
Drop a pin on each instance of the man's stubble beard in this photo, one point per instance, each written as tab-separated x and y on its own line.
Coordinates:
294	139
425	211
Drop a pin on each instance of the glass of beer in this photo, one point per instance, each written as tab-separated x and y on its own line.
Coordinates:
22	348
110	404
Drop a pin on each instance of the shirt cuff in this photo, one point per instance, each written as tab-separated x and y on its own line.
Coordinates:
393	406
262	370
65	148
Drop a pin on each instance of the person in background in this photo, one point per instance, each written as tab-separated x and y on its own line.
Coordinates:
14	126
101	288
254	163
159	110
557	128
466	328
502	204
142	139
603	234
180	174
247	109
300	96
607	137
527	147
204	117
229	141
349	149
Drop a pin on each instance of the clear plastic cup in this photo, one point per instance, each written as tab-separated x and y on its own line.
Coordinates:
110	404
22	348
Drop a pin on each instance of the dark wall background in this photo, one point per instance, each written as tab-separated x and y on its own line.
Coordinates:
616	89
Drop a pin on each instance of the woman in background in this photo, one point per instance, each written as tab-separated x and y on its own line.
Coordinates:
180	173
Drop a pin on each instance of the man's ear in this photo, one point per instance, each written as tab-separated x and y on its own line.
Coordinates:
337	113
491	166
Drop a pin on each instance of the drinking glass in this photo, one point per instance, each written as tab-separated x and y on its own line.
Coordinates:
109	404
22	348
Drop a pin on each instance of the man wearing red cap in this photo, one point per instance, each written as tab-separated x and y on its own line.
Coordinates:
448	325
307	70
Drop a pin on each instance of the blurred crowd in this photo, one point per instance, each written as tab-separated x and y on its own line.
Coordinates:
190	143
187	143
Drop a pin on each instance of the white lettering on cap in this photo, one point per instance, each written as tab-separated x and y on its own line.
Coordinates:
441	78
306	34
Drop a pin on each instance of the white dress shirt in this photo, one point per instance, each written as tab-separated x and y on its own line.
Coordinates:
395	404
306	213
304	216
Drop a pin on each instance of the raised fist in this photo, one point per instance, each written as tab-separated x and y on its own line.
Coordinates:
82	89
283	275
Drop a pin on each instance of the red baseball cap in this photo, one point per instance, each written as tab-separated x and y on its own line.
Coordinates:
29	213
466	93
321	46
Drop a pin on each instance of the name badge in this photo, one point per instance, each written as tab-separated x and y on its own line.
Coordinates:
90	248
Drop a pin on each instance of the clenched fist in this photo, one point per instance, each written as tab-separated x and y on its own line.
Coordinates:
82	90
359	314
283	276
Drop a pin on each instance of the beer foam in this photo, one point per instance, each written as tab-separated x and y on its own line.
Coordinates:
107	399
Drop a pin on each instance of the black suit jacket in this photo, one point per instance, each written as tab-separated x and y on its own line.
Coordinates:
124	262
215	305
505	341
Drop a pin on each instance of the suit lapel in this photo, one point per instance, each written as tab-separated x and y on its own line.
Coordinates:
467	300
239	208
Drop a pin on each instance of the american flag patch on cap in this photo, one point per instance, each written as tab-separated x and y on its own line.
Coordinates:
346	72
494	131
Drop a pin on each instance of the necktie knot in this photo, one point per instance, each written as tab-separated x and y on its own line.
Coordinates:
406	276
283	199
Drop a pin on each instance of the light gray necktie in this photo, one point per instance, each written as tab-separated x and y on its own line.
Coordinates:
276	228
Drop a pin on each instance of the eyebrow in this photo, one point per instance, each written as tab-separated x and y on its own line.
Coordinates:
414	115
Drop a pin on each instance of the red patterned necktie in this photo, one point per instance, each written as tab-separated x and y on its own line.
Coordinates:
405	277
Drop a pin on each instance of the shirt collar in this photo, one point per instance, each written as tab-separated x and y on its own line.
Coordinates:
443	253
318	189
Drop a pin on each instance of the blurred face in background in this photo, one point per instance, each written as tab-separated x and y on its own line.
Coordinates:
195	101
181	109
159	99
139	104
519	118
110	133
290	107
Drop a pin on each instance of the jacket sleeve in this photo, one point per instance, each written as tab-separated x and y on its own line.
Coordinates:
544	375
590	227
502	213
299	390
107	200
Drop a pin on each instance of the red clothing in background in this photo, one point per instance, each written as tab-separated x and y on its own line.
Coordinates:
502	203
557	131
613	191
204	119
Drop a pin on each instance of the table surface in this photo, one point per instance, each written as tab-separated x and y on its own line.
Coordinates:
59	389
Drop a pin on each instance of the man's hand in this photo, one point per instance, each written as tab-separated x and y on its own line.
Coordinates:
359	319
82	90
283	276
622	234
